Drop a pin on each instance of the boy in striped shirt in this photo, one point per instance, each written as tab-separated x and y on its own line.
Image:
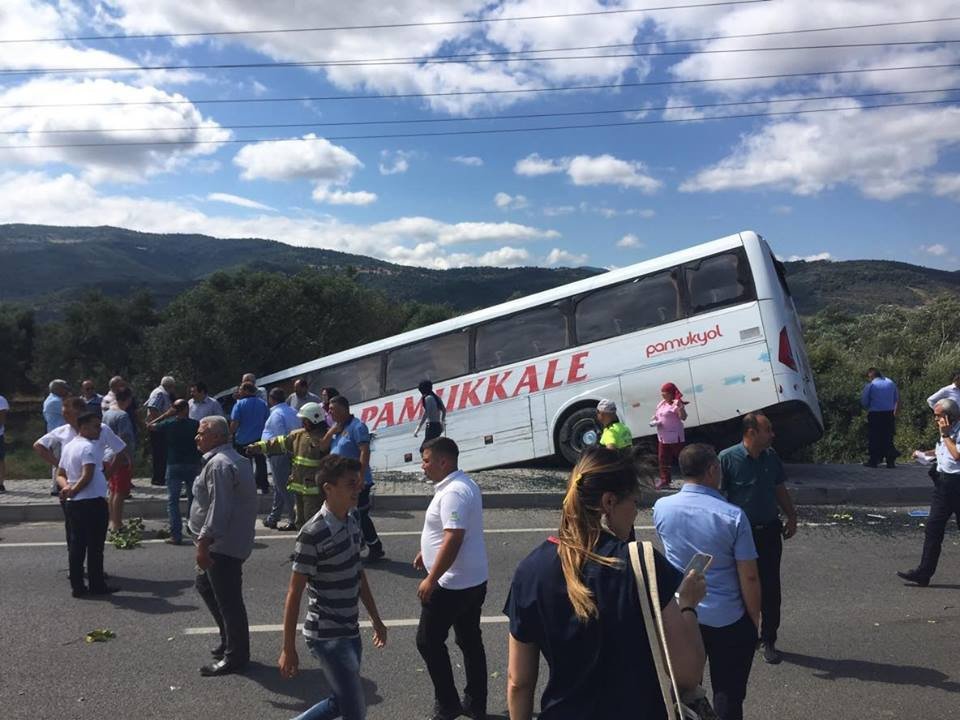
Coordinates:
326	561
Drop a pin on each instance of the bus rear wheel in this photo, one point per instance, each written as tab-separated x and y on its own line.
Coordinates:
578	431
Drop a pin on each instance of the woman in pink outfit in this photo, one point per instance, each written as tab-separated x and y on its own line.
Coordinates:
668	419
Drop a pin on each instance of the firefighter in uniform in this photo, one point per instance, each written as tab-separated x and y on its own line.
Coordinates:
306	447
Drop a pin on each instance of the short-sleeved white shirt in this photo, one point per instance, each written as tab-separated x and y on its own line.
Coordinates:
4	405
79	452
58	438
456	505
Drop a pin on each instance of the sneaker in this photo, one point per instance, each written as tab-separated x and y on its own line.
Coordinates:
286	526
771	655
268	523
914	577
440	713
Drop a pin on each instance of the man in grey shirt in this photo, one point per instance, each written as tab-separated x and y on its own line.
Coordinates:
301	395
222	520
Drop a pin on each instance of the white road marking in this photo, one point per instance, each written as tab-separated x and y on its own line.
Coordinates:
292	536
404	623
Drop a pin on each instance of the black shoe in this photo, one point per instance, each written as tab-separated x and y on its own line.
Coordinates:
440	713
3	488
105	590
268	523
870	464
218	651
158	484
915	577
221	667
891	464
79	592
375	554
771	656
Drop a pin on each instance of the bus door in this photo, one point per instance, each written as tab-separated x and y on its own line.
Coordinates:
641	393
496	434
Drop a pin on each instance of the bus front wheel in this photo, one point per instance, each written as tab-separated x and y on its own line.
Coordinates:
578	431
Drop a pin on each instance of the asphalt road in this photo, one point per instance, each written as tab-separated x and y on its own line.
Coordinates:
857	642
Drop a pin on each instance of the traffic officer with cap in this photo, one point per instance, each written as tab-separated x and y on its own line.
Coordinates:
306	447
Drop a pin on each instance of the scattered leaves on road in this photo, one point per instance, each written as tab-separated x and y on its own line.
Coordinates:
129	535
101	635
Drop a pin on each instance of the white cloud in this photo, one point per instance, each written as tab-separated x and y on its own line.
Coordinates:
558	256
138	16
237	200
533	166
510	202
35	197
609	170
394	162
810	258
591	170
558	210
468	160
629	241
322	194
883	153
110	152
610	213
312	158
947	185
939	249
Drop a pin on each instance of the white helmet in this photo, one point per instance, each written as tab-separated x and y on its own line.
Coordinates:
313	412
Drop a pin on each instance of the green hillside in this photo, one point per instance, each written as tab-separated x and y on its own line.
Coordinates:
44	266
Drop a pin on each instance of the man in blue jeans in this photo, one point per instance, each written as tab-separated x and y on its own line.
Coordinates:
326	561
178	434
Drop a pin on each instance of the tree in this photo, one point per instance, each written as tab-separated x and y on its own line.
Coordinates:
17	334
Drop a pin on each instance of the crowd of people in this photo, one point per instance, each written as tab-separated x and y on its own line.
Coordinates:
575	599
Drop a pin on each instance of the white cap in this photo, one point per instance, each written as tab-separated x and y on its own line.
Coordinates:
607	406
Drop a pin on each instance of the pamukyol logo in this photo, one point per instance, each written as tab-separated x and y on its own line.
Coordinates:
692	339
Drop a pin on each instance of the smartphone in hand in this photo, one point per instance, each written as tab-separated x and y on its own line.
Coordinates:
699	562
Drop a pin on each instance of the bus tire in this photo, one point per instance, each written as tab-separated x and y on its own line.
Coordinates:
575	433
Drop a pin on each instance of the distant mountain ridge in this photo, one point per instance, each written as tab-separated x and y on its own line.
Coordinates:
44	266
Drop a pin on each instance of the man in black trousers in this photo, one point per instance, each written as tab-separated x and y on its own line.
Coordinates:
946	495
753	479
453	554
222	520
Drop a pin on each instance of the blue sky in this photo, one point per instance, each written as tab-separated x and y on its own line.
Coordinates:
850	183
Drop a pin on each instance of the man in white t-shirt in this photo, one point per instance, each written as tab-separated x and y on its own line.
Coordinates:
453	553
4	407
83	487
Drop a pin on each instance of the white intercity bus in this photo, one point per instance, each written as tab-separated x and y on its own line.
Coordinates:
521	379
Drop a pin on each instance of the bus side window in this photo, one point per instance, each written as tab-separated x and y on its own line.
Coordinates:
719	281
527	334
357	380
640	303
436	359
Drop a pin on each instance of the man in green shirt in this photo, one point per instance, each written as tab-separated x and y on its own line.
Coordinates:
753	479
178	435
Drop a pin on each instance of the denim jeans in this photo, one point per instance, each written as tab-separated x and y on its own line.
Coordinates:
340	660
177	476
282	499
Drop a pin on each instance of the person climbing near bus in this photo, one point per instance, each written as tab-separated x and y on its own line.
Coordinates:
434	413
616	435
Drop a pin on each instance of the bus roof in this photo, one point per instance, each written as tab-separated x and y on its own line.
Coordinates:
511	306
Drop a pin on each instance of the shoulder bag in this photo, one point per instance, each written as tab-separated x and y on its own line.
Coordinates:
693	704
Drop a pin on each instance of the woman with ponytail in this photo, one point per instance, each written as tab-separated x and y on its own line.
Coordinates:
434	412
574	599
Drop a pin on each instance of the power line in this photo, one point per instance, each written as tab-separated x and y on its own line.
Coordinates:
476	118
461	93
495	131
452	59
429	23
